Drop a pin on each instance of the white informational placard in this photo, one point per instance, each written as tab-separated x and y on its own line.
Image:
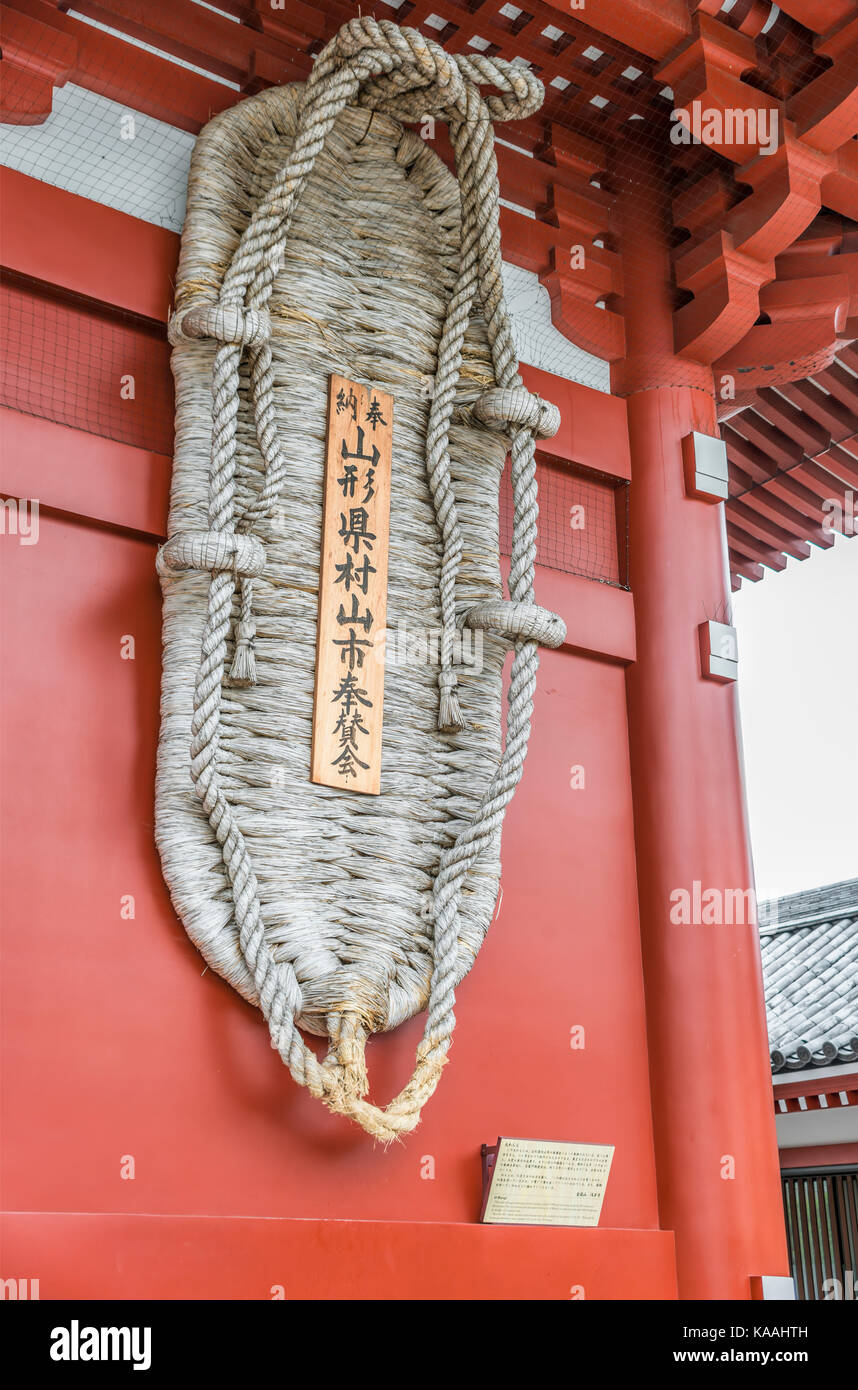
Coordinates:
537	1182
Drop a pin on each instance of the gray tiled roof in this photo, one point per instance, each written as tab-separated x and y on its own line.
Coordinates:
809	944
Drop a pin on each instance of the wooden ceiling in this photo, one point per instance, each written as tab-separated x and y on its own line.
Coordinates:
792	449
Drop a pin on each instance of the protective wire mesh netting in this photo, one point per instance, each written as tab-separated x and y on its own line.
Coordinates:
583	521
616	200
101	149
106	151
94	368
87	365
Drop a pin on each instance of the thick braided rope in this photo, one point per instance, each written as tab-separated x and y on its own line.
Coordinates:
480	197
399	71
450	348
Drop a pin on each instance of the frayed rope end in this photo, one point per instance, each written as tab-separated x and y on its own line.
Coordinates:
243	669
450	720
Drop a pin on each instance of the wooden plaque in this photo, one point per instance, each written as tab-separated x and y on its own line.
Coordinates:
349	702
537	1182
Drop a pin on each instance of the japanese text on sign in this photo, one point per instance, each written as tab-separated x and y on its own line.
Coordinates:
347	717
535	1182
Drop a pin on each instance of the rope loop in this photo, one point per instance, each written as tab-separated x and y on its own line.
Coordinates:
501	408
212	551
225	323
523	622
423	79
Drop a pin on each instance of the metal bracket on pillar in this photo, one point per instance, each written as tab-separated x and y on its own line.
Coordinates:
719	651
772	1286
704	460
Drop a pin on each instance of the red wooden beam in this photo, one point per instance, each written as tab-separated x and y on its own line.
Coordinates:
756	463
753	549
780	448
819	15
143	81
754	524
840	384
822	1156
785	1088
84	475
745	569
135	262
763	500
726	287
828	412
653	27
791	490
190	32
141	1256
36	59
810	434
840	464
818	480
825	111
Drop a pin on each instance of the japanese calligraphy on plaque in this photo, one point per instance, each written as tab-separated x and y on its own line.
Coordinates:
348	710
534	1182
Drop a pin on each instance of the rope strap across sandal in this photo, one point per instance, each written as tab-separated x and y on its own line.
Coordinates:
398	72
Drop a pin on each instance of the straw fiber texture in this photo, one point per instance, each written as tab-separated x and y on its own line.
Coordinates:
322	906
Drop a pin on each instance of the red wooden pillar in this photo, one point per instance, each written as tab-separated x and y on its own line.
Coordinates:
716	1156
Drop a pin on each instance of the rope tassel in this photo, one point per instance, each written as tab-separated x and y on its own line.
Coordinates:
450	720
243	669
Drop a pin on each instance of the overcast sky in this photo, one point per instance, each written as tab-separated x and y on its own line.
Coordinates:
798	692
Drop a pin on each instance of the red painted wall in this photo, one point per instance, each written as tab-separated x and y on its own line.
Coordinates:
117	1041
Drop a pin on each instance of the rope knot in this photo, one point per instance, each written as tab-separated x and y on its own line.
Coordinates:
515	406
226	323
212	551
407	75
